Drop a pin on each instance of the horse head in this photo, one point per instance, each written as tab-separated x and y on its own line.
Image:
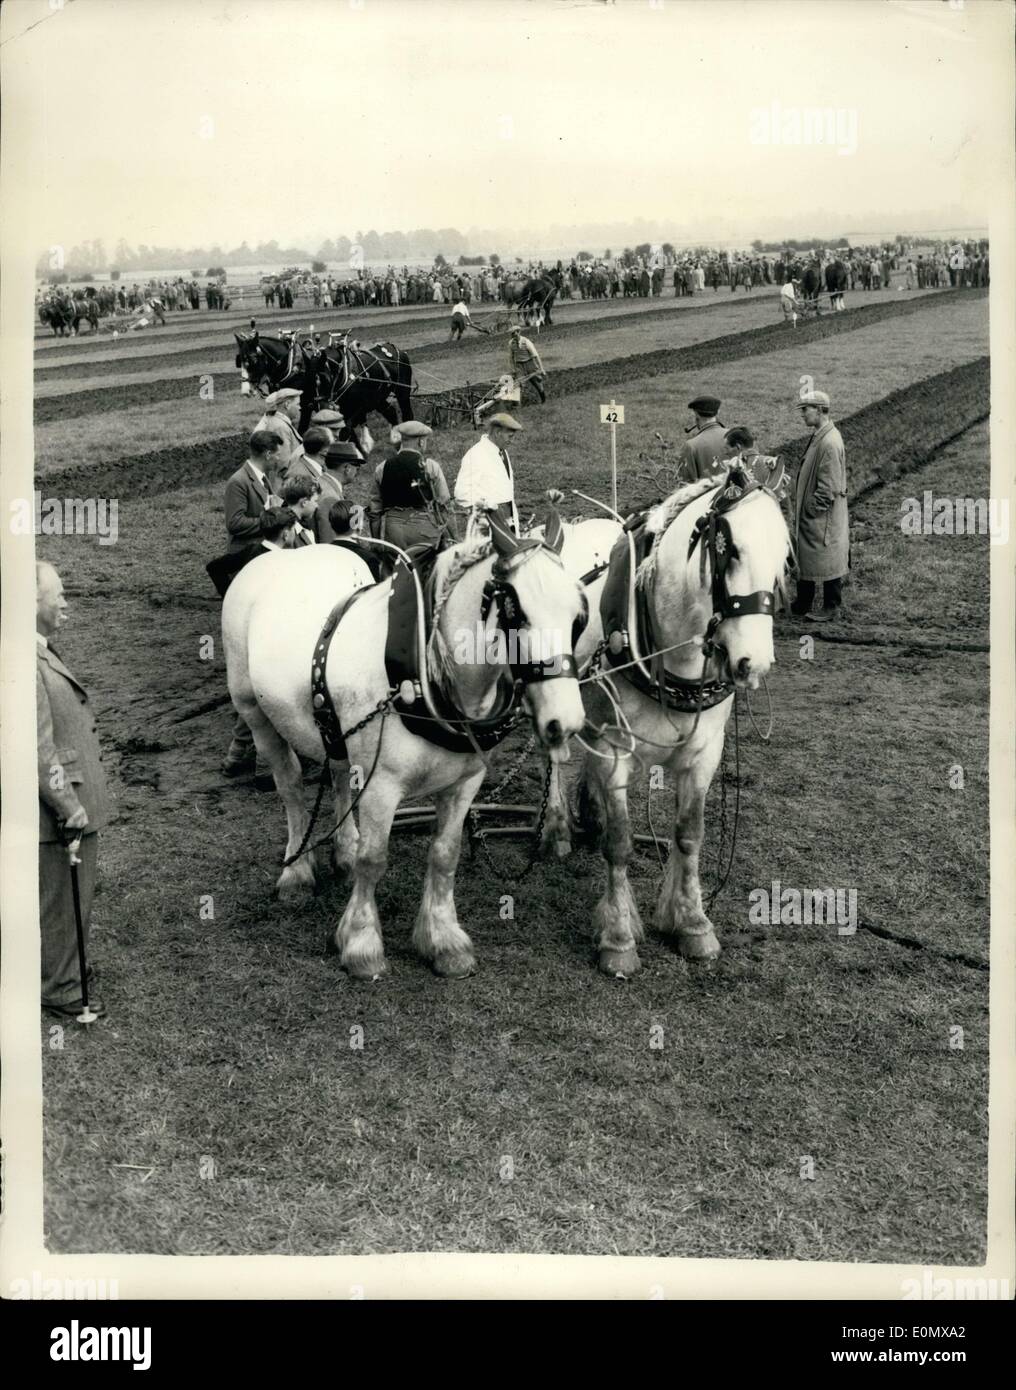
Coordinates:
717	565
252	360
745	567
541	613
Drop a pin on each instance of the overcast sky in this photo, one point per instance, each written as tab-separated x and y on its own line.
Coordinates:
192	122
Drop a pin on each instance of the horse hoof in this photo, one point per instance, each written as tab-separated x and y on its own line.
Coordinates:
367	970
702	948
294	890
620	965
555	849
454	965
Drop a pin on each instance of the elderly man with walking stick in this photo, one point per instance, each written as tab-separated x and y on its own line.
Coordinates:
73	808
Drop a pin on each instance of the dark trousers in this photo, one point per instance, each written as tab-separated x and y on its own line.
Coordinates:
61	976
241	745
832	595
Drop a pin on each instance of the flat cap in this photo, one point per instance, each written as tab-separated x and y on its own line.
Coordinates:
814	398
277	397
414	429
504	421
343	451
327	418
704	405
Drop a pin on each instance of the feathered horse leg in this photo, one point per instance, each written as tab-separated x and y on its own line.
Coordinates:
679	911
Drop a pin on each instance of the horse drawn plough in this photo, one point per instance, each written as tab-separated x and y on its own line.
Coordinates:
455	405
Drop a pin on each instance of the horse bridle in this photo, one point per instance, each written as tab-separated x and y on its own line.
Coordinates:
712	529
511	616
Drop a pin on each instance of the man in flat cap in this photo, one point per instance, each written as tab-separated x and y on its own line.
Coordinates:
821	521
486	478
282	411
342	466
409	493
701	455
331	419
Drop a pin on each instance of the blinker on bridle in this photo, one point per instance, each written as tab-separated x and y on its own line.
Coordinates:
713	530
511	617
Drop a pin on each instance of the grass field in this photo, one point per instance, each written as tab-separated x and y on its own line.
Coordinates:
539	1106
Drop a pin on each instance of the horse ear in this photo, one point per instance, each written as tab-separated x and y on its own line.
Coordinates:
553	531
503	540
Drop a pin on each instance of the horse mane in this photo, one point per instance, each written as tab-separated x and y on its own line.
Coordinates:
660	518
470	552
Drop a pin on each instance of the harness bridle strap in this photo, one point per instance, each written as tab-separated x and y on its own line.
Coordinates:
511	618
713	531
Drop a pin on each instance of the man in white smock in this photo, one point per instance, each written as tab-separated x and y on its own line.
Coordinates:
486	478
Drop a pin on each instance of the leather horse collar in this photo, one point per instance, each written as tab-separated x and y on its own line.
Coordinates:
422	707
630	642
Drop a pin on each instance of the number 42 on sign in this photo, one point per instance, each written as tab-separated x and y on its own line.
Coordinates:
612	415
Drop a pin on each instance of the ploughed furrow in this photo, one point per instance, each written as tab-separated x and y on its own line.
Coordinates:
201	358
612	373
904	430
886	442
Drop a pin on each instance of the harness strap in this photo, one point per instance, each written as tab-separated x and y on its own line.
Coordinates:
321	703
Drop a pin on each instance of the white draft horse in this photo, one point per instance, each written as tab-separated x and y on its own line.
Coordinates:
628	730
272	621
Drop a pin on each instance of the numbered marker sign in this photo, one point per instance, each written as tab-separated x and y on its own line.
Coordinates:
612	414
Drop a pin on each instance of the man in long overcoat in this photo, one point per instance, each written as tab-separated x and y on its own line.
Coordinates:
821	522
72	797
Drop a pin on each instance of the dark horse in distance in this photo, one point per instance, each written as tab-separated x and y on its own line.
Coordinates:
345	376
534	299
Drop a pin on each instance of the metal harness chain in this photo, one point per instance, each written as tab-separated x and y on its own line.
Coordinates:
723	810
478	836
382	707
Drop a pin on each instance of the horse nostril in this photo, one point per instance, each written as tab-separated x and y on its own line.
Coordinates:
553	733
743	668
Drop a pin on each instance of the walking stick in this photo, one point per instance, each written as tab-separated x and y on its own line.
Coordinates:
86	1015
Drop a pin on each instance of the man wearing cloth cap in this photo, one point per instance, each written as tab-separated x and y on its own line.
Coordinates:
282	410
821	522
342	465
310	461
408	493
525	363
704	450
486	478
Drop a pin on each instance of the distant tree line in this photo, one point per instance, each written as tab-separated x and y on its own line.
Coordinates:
792	244
370	247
